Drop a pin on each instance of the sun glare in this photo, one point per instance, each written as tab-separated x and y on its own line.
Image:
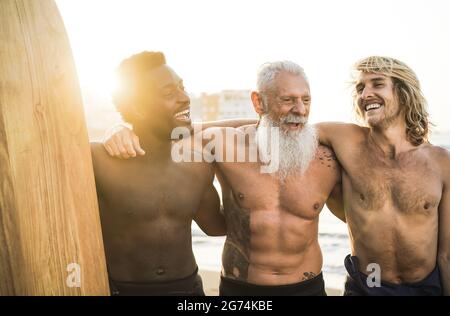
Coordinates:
219	45
96	74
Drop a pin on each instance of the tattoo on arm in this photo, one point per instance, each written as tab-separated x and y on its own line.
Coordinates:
236	252
327	157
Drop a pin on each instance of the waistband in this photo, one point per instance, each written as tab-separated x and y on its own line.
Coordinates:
357	283
190	285
311	287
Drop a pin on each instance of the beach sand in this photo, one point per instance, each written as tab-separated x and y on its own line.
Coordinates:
211	281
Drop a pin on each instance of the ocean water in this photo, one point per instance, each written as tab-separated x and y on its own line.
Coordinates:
333	239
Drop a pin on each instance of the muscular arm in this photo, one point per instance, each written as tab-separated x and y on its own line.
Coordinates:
121	142
331	133
444	229
209	216
226	123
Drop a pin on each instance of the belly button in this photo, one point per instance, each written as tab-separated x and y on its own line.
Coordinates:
241	196
362	197
426	206
316	206
276	272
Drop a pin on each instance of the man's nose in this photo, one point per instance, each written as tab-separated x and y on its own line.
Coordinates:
184	98
366	93
299	108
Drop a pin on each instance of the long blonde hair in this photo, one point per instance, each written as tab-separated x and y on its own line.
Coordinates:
407	89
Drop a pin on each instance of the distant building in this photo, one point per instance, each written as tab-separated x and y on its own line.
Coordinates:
196	108
227	104
235	104
210	104
204	107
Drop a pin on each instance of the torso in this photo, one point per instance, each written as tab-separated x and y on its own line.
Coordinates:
146	210
272	225
391	207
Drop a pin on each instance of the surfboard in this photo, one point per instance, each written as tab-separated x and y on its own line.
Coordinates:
50	233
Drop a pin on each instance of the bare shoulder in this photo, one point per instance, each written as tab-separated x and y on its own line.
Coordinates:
340	127
441	156
101	160
336	133
438	152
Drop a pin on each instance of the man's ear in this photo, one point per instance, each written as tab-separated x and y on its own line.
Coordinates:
258	103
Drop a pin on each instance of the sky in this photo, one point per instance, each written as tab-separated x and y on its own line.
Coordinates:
216	45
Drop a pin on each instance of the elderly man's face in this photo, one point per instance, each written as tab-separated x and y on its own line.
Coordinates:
289	102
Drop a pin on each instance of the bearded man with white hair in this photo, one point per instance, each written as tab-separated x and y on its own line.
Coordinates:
272	218
272	213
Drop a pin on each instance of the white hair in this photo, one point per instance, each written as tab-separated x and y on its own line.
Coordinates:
268	72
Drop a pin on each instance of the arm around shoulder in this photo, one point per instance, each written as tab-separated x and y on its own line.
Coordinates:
226	123
330	133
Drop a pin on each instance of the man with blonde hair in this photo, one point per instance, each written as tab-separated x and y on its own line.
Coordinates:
396	186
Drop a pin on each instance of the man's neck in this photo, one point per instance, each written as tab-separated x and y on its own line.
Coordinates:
391	139
155	145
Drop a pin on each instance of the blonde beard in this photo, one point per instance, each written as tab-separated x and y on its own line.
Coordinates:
296	148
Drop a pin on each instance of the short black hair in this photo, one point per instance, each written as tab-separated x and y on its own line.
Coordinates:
130	75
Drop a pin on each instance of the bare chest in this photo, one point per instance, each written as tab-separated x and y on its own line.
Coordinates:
251	190
155	192
409	185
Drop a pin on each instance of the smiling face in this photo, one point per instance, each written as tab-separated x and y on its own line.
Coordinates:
289	102
376	99
166	101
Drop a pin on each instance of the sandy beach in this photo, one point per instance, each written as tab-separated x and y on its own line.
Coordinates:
211	284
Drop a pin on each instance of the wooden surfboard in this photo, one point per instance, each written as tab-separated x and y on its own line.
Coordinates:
50	234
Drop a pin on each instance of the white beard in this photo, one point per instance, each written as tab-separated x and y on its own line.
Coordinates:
296	148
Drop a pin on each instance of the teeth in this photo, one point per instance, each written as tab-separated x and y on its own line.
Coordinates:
185	112
373	106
